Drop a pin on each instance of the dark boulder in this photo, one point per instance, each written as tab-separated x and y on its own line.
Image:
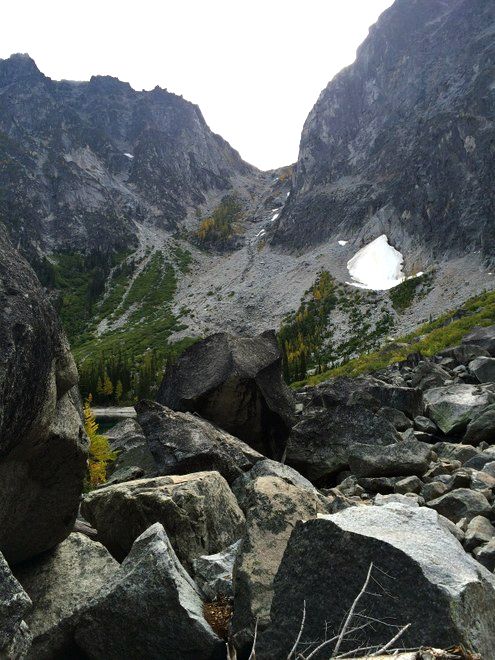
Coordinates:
42	444
409	457
15	637
182	443
128	441
420	576
461	503
236	383
483	337
483	368
320	444
482	427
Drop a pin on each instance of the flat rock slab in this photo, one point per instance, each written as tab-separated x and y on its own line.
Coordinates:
198	511
421	572
409	457
452	407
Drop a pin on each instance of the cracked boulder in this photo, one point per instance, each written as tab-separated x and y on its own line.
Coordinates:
452	407
236	383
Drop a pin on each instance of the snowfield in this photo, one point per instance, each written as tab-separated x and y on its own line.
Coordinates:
377	266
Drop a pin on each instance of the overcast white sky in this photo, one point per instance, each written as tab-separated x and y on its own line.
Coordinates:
255	67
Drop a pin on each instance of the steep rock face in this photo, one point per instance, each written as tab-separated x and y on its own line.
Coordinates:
42	446
401	142
80	162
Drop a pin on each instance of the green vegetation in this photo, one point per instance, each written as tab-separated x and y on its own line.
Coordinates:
428	339
306	337
220	227
403	295
126	363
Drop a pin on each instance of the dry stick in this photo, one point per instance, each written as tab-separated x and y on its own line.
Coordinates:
394	639
298	639
351	611
329	641
252	655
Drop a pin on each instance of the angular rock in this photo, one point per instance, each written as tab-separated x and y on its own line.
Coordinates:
479	531
485	554
213	573
482	427
397	418
150	608
483	337
425	425
452	407
128	440
428	374
269	468
426	579
382	485
182	443
456	452
433	490
408	485
483	368
461	503
409	457
274	506
236	383
479	461
42	448
198	511
15	638
60	584
320	444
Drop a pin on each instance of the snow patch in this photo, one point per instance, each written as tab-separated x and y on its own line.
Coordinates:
377	266
343	243
129	155
274	217
261	233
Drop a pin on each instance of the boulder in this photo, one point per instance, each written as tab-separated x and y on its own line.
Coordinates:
409	457
150	608
479	531
182	443
268	468
481	459
60	584
464	353
483	368
433	490
213	573
319	445
42	445
127	439
428	374
456	452
382	485
452	407
15	637
420	575
369	392
461	503
236	383
482	427
425	425
397	418
485	554
408	485
198	511
483	337
274	506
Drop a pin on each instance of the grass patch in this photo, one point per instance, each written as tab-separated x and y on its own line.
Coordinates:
404	294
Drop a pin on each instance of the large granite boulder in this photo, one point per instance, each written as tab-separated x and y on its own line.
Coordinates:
483	368
420	575
409	457
213	573
15	637
42	445
319	445
198	511
452	407
483	337
182	443
236	383
273	508
60	584
128	441
482	427
150	608
369	392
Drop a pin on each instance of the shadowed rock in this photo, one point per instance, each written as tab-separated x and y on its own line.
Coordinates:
236	383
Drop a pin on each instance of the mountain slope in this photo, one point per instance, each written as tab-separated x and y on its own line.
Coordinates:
401	142
82	162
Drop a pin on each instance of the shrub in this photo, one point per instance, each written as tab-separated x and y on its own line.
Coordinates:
100	453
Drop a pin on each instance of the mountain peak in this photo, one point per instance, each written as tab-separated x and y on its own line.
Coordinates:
19	66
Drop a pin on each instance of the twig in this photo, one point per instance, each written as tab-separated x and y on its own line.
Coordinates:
351	612
298	639
252	655
394	639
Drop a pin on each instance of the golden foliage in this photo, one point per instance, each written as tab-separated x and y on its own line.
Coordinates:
100	454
